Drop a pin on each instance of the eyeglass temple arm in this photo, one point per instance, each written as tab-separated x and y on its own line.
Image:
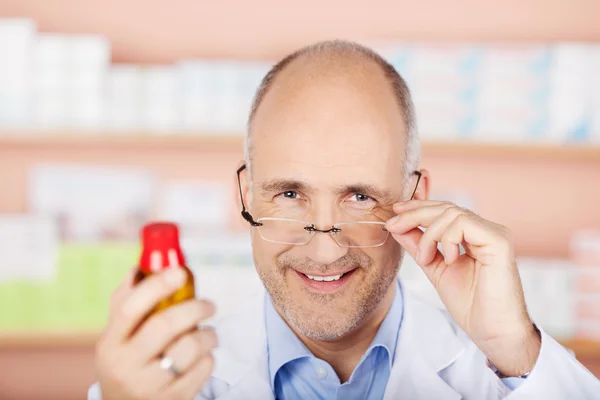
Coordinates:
245	214
418	173
248	217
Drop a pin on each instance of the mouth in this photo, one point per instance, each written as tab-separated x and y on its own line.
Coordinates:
325	283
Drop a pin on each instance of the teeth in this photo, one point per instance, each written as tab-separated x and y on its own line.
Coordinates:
324	278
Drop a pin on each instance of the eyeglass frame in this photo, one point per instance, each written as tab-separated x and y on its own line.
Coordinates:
310	227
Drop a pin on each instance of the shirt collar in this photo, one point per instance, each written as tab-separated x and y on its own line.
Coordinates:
283	346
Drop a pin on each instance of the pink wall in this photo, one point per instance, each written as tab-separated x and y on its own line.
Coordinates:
154	31
542	197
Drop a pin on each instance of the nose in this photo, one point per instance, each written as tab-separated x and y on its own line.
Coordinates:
324	250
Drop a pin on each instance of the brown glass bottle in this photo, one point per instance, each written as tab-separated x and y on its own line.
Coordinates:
161	250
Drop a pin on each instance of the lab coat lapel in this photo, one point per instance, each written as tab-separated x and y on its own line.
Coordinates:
426	345
241	359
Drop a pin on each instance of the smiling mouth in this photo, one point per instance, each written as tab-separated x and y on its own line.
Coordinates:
330	278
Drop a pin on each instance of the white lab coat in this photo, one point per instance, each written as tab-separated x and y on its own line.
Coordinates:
434	360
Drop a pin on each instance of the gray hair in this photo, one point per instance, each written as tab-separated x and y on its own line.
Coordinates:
341	47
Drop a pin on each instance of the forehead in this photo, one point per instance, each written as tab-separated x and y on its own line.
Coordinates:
330	122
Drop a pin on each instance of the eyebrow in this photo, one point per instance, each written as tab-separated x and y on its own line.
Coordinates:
282	185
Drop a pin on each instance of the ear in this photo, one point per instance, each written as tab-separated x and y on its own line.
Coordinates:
243	184
422	192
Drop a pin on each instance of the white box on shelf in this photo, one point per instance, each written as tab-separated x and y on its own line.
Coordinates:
50	111
29	247
89	52
50	101
197	86
445	121
123	97
92	203
570	94
197	206
16	46
161	99
214	247
86	113
16	41
549	294
509	60
225	96
435	59
88	63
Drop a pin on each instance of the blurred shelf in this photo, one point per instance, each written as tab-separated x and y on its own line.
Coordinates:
122	139
583	348
58	338
535	151
230	140
588	349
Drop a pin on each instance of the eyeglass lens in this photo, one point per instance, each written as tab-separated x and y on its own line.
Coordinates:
352	234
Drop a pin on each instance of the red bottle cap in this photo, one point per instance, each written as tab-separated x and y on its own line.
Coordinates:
160	247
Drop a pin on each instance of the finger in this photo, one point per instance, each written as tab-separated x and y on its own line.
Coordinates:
188	349
410	219
452	238
410	204
451	252
185	353
142	299
190	384
428	246
163	328
123	290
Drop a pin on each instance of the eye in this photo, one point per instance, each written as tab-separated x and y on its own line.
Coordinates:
290	194
359	201
359	197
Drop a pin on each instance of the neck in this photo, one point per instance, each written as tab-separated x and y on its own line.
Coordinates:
345	353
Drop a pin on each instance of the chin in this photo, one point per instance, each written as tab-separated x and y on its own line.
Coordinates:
322	322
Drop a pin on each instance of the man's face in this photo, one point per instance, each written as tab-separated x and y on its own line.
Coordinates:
328	147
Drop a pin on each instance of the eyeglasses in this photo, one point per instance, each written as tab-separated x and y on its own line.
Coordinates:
355	234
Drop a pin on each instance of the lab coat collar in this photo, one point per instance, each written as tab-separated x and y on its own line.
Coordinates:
427	344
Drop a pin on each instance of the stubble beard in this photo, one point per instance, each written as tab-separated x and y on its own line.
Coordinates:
323	316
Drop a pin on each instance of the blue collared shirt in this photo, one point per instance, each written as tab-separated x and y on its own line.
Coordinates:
297	374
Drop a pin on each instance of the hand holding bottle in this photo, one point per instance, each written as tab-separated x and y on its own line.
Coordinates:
150	347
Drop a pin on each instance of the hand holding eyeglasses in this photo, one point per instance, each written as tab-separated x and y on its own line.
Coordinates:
481	288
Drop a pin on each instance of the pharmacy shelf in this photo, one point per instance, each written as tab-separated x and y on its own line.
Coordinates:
58	338
121	139
234	141
582	348
529	150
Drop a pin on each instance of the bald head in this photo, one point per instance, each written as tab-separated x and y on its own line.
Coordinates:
349	64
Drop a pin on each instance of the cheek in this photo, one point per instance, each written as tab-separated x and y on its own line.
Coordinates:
386	257
266	254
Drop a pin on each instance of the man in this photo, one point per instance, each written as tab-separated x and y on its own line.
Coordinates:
332	189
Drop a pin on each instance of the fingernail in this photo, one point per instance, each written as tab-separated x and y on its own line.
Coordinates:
393	221
175	277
